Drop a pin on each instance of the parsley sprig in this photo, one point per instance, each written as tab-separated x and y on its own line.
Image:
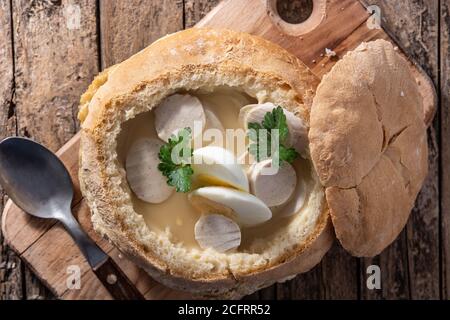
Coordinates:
175	163
260	135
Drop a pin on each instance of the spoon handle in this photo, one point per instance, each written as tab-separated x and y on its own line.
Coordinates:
91	251
106	270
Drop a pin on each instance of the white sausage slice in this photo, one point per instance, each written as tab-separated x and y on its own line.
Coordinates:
214	133
212	121
143	176
274	186
244	208
217	232
177	112
298	133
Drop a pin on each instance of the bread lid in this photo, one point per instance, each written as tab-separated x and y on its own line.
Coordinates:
368	145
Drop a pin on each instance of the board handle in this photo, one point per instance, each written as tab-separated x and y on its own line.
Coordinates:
314	20
116	282
106	270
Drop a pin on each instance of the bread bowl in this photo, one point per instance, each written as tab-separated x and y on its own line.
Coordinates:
343	175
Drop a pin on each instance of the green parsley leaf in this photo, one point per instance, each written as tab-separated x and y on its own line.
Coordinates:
274	120
253	130
177	170
258	148
288	154
180	178
253	149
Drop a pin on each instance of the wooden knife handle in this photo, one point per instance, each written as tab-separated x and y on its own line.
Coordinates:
116	282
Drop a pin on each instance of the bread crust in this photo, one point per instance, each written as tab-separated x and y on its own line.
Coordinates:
188	60
369	146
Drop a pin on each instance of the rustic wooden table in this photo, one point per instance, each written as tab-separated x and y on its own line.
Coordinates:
44	67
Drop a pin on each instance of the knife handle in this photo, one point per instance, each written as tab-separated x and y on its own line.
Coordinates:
116	282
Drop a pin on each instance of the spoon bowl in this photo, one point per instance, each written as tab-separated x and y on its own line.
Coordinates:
39	183
34	178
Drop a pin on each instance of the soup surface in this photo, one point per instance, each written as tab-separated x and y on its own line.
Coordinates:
176	214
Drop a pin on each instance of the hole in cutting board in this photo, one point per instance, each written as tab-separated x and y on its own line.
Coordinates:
294	11
296	17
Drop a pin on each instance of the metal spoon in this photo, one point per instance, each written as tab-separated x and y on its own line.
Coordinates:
37	181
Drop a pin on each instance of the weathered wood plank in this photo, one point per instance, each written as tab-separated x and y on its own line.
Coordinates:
423	229
410	267
395	280
55	53
7	106
339	273
34	290
334	278
445	145
129	26
56	58
306	286
194	10
10	275
10	264
269	293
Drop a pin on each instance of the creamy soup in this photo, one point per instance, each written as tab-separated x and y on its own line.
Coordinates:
176	213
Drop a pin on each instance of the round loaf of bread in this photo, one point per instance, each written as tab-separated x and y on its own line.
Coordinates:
369	145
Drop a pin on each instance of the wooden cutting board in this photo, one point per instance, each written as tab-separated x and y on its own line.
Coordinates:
338	25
